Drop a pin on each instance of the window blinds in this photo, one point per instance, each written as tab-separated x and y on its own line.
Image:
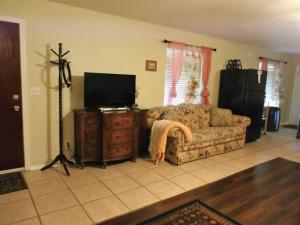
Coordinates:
272	85
192	67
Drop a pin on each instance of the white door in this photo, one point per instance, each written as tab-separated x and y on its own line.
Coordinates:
295	108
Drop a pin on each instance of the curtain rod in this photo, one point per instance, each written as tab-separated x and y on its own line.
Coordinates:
167	42
272	59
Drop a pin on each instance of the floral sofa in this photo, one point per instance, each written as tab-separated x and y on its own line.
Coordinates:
214	130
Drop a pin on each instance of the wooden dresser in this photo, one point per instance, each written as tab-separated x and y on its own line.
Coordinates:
108	136
119	136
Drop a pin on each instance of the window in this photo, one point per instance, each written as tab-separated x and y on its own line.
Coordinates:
190	83
273	85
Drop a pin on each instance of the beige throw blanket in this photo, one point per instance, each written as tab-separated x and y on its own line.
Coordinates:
159	134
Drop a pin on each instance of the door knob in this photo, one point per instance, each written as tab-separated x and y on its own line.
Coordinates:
17	108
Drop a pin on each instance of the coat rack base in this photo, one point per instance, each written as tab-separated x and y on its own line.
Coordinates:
61	158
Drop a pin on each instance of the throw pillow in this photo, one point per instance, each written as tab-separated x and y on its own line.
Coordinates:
220	117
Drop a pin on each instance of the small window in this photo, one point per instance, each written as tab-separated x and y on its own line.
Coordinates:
189	86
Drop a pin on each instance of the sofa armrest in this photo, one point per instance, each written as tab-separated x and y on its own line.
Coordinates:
150	122
176	140
175	133
241	121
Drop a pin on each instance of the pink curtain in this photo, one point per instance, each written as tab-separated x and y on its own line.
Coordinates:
206	54
177	63
264	65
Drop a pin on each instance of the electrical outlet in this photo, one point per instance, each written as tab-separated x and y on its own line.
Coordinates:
68	145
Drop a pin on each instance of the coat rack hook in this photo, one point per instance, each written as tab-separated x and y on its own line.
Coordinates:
65	53
54	62
54	52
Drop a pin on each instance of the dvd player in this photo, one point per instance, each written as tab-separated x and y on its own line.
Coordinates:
107	109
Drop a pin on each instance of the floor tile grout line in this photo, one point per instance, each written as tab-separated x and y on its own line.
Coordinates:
117	177
14	201
24	220
69	189
149	183
51	191
79	204
40	216
35	207
38	179
115	195
131	210
184	188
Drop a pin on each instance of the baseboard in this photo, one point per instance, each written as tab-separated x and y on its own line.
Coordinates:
284	123
12	170
38	167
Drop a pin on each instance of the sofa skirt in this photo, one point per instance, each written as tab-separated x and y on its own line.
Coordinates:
181	157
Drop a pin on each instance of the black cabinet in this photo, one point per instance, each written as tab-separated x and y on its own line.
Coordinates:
243	91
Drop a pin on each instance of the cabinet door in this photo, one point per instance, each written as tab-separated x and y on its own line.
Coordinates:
256	82
254	99
91	145
86	136
232	90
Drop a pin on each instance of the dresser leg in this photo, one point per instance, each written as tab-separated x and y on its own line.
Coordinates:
133	159
82	165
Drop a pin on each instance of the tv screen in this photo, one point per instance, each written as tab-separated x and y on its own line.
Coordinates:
108	90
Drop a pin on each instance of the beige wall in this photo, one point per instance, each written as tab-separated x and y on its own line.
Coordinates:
104	43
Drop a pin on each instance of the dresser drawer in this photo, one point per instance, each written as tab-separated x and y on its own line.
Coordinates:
118	137
121	150
124	122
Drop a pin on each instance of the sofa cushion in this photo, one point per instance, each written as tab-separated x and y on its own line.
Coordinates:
220	117
194	118
201	112
212	134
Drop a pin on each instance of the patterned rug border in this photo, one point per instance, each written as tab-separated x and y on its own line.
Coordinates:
218	213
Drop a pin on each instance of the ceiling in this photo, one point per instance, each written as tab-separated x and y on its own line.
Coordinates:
272	24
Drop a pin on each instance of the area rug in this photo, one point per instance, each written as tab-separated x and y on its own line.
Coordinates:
192	213
12	182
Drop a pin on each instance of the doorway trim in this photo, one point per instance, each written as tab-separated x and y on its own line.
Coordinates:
24	87
294	92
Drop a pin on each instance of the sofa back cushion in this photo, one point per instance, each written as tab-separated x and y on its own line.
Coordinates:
190	115
199	118
220	117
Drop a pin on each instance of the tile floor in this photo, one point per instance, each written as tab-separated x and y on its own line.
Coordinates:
93	195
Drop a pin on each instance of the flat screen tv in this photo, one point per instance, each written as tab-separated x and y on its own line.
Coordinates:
108	90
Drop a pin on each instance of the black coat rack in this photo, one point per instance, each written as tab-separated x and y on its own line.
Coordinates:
62	80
